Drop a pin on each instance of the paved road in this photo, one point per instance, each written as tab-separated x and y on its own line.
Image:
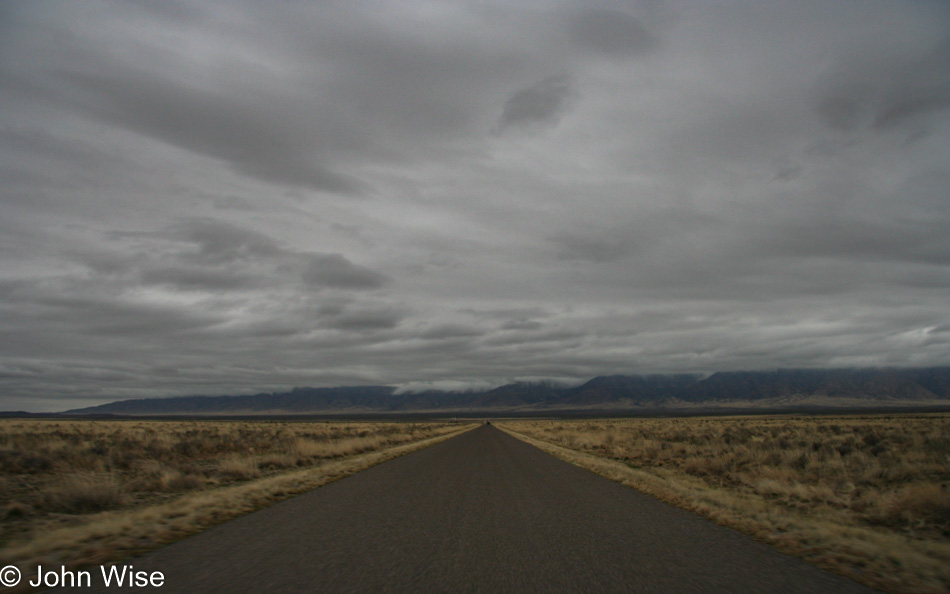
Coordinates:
482	512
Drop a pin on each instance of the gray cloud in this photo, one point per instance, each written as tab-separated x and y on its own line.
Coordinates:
221	197
541	104
590	248
365	320
249	137
213	242
522	324
922	87
885	92
211	255
336	271
449	331
611	32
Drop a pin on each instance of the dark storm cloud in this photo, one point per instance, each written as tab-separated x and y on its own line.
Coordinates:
522	324
541	104
545	190
87	318
190	278
923	86
269	109
449	331
365	320
212	242
209	254
249	136
885	92
336	271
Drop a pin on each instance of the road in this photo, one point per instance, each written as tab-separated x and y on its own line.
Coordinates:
481	512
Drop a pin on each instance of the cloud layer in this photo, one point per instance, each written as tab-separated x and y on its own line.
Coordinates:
227	197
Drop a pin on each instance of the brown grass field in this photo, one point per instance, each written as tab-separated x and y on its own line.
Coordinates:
864	496
78	493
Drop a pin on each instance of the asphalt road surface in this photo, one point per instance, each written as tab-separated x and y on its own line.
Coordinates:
481	512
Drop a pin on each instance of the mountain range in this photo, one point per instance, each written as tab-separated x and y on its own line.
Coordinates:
789	388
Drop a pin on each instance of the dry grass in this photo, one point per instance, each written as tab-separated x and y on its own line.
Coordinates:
78	493
81	493
866	496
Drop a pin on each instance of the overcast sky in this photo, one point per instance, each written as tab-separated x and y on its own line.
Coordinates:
232	197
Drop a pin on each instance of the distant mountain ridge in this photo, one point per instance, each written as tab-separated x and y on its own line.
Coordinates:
850	387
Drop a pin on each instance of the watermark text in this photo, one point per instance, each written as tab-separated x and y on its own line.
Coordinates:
109	576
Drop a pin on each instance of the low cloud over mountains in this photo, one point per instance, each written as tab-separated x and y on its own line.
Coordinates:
775	390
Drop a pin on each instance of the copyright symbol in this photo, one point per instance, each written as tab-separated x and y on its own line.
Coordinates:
9	576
